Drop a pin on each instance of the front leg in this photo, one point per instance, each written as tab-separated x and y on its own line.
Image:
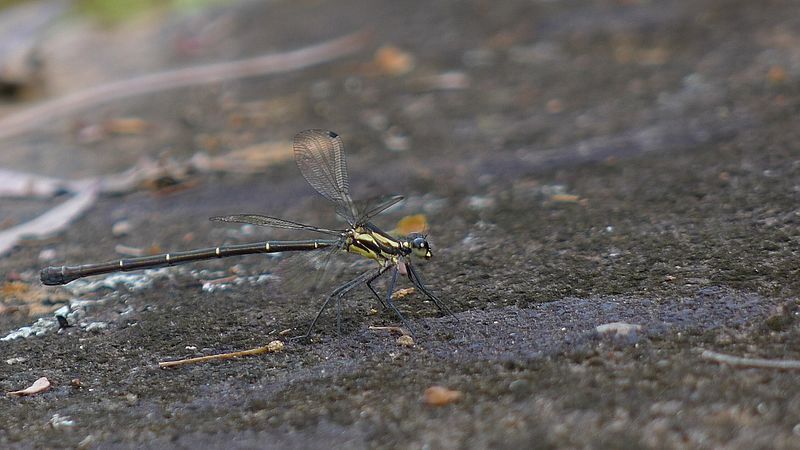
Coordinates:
391	303
416	280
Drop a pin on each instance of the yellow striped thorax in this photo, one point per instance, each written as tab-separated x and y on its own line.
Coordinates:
371	242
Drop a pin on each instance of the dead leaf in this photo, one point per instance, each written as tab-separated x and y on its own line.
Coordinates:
416	223
565	198
440	396
400	293
16	289
32	300
40	385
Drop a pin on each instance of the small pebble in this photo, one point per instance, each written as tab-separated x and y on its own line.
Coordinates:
406	341
619	328
96	326
447	81
396	140
666	408
121	228
321	89
47	254
519	388
554	106
275	346
375	120
478	57
86	442
59	421
353	85
478	202
541	53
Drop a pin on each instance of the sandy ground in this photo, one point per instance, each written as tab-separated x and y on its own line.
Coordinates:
579	163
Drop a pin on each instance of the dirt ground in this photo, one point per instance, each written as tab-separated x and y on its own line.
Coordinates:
580	163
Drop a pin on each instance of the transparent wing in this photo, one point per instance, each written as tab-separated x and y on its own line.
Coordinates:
320	157
266	221
374	206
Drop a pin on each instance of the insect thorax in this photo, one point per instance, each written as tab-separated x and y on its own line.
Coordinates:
374	244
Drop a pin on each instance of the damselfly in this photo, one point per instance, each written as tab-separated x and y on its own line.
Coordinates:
320	156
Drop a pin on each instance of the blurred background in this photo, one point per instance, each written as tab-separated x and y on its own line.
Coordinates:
578	161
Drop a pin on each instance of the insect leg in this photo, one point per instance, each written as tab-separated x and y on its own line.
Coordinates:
337	294
413	275
374	292
391	303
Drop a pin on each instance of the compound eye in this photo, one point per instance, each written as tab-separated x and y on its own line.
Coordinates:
418	242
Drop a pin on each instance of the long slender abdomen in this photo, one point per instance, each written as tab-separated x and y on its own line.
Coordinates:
62	275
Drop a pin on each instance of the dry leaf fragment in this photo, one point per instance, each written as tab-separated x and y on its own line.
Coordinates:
40	385
416	223
440	396
14	289
400	293
390	60
17	296
565	198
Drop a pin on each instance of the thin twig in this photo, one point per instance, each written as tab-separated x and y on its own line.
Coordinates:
19	184
44	113
50	222
274	346
783	364
27	185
